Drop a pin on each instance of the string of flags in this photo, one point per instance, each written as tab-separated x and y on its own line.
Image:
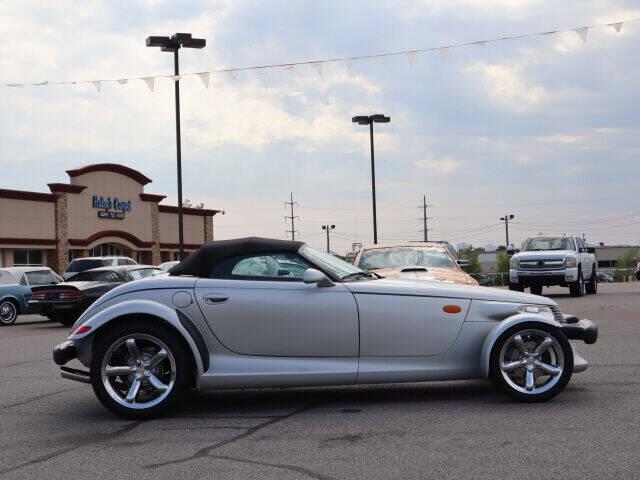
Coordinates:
317	65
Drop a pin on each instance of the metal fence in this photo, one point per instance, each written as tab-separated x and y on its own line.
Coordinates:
502	279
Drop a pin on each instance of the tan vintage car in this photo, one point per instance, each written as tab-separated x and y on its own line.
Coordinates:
422	261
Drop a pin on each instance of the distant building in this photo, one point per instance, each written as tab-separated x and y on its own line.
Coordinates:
488	261
490	247
607	255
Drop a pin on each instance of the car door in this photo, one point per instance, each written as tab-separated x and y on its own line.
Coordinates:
257	306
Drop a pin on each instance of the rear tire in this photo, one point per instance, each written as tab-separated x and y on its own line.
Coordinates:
516	287
512	359
576	289
592	286
536	289
8	312
147	389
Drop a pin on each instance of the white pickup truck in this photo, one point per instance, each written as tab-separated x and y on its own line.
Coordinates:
553	260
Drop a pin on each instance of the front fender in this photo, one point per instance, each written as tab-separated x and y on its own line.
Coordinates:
503	326
135	307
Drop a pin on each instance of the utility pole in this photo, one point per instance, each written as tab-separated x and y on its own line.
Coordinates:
506	219
425	230
292	217
328	228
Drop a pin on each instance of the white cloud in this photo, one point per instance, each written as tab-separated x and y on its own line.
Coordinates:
560	138
444	165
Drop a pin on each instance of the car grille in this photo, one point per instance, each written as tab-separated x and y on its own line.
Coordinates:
557	314
541	264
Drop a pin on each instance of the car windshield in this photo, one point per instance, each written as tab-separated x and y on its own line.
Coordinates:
548	243
97	276
400	257
339	268
40	277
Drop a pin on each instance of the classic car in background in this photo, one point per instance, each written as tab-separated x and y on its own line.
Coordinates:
413	260
227	317
15	290
65	302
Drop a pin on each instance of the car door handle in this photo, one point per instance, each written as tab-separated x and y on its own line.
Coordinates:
215	298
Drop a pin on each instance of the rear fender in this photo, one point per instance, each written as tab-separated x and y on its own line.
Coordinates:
134	307
503	326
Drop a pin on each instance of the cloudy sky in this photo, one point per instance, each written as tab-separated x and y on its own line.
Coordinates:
545	128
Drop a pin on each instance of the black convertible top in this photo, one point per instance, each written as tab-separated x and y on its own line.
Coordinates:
202	262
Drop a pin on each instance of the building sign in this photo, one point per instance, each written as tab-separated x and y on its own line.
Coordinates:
108	208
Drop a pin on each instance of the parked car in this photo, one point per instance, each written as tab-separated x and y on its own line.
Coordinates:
413	260
554	260
87	263
215	322
166	266
605	277
65	302
15	290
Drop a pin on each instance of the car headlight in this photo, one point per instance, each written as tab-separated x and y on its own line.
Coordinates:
570	262
513	263
541	310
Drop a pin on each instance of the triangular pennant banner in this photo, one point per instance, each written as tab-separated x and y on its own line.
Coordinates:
205	78
617	26
150	81
231	75
444	52
582	33
175	78
97	84
122	81
411	57
288	68
317	67
552	32
349	63
41	83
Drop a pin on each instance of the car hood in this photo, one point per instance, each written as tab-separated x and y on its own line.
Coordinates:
391	286
427	273
550	254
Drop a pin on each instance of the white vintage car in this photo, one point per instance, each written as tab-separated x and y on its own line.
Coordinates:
254	313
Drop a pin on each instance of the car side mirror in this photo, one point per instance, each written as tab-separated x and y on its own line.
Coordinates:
464	264
311	275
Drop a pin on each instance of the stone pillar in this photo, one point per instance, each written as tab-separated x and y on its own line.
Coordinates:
62	232
156	257
208	228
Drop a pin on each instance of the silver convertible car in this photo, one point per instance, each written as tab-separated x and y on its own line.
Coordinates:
259	313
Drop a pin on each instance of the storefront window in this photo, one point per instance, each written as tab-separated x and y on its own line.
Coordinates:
27	257
106	250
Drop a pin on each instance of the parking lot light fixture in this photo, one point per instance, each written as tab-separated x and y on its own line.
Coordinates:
370	120
506	219
173	44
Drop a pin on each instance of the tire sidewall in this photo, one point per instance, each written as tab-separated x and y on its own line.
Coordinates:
592	286
496	374
578	287
182	358
12	304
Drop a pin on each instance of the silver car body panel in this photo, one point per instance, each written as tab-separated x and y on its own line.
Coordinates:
278	334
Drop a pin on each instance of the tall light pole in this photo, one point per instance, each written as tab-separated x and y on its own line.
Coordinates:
370	120
173	44
506	219
328	228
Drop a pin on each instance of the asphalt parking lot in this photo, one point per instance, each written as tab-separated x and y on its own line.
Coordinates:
54	428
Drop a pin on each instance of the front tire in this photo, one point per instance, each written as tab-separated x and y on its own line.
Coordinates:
516	287
8	312
592	286
536	289
139	370
576	289
532	362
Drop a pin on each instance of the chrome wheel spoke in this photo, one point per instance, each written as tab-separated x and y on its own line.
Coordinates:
520	344
118	371
530	380
133	350
157	384
133	390
508	366
550	369
543	347
157	358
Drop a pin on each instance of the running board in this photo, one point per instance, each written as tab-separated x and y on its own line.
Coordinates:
75	374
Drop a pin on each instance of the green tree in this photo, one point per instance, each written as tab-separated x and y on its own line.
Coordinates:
503	262
189	204
471	254
629	259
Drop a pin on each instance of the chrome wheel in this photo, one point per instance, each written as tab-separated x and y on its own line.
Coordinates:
8	313
531	361
138	371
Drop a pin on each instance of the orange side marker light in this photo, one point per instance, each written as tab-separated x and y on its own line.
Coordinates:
452	309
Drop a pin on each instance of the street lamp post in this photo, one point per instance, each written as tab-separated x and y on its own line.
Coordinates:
328	228
506	219
370	120
173	44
